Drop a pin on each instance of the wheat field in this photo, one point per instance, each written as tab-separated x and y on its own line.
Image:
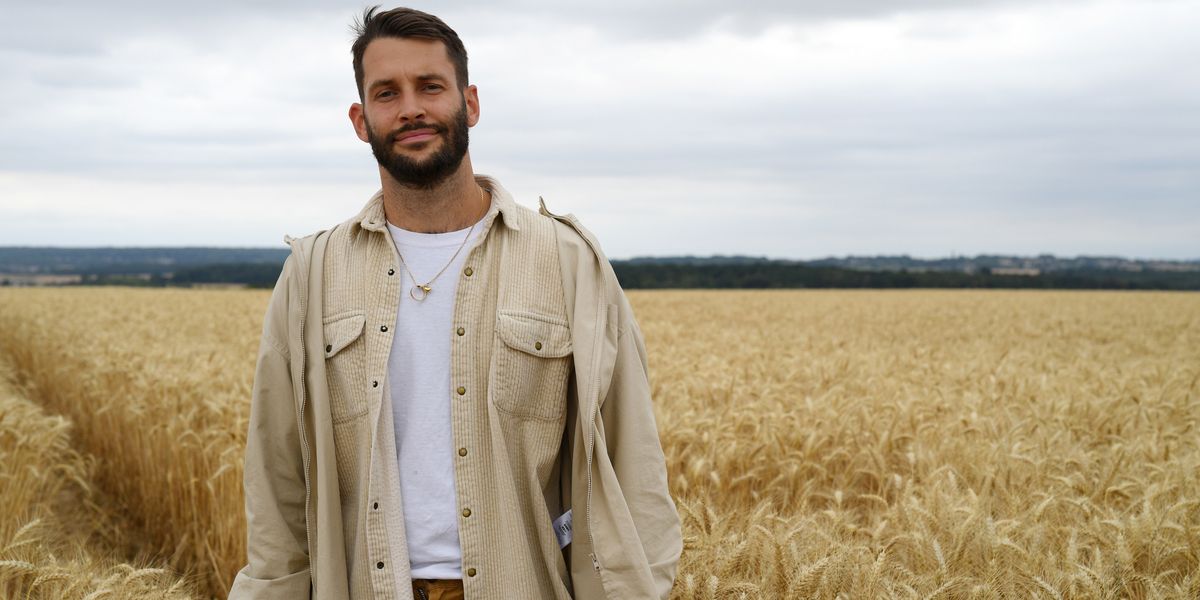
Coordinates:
57	538
820	444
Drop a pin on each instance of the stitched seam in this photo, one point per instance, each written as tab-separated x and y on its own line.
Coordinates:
279	348
529	416
535	317
343	315
343	419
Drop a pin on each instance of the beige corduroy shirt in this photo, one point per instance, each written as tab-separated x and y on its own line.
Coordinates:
550	413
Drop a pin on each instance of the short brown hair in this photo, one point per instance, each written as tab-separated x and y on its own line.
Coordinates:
406	23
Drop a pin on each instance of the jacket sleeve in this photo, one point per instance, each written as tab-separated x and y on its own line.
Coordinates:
277	543
636	455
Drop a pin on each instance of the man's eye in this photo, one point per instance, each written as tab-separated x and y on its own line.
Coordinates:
385	94
433	87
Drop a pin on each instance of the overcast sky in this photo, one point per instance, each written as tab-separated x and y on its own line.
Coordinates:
784	128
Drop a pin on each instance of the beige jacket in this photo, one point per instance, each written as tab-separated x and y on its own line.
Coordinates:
550	413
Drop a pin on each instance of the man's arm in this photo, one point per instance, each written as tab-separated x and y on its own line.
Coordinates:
631	439
277	539
630	470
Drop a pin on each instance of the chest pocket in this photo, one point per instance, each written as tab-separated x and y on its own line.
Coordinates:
345	357
531	363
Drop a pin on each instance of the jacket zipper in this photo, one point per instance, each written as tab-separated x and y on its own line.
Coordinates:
593	414
601	319
304	450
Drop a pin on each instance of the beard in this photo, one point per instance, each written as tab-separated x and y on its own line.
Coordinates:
428	173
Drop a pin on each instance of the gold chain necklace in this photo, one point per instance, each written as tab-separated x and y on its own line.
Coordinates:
419	291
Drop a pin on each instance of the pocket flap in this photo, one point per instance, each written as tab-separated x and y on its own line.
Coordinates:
341	331
534	334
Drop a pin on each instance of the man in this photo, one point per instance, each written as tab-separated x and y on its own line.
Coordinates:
451	397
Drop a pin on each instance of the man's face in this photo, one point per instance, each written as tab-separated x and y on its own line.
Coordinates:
448	142
413	114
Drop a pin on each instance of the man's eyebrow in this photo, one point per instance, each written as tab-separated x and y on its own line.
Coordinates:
422	77
380	83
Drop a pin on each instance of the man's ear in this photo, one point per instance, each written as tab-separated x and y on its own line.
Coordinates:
359	120
471	98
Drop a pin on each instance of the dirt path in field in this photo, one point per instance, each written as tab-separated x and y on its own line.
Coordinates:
90	517
62	528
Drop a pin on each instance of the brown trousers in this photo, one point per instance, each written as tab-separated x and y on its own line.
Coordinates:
438	589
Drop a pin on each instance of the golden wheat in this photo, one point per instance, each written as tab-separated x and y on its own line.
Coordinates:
918	444
52	536
157	385
956	444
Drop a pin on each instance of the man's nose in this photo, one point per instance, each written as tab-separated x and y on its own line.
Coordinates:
411	110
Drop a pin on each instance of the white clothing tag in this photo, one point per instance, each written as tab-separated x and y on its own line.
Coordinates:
562	529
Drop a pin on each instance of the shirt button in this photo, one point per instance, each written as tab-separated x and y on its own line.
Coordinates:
329	347
468	271
471	572
374	384
461	390
379	565
375	506
462	451
391	272
461	331
383	328
537	345
466	512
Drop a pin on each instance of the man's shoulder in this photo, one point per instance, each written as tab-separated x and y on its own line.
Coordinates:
304	241
338	235
302	246
574	240
583	260
542	228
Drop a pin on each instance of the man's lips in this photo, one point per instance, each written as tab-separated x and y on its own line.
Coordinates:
415	136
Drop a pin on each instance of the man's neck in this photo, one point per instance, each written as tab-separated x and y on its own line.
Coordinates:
453	204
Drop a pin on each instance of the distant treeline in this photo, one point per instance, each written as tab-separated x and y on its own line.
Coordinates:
126	261
255	275
768	275
641	275
259	268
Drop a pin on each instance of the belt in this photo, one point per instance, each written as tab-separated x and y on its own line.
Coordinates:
438	589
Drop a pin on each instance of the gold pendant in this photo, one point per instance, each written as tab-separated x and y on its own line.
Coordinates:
418	292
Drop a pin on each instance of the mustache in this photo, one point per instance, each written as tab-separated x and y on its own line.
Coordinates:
395	133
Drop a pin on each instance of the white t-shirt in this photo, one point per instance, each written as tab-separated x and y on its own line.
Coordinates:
419	382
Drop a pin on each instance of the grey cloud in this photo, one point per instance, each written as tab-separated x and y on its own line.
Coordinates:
923	165
89	28
674	18
85	28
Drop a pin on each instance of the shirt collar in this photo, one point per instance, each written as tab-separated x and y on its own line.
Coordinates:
372	218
